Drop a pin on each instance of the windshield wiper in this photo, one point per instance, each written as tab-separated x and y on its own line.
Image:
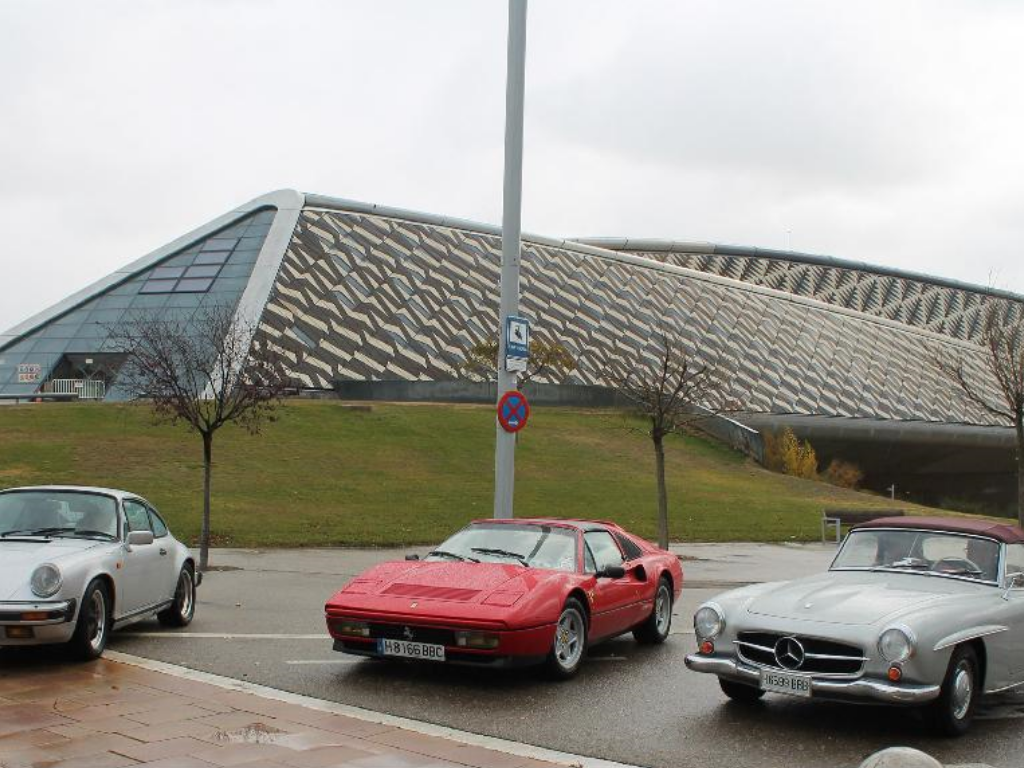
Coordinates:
37	532
452	555
93	534
502	553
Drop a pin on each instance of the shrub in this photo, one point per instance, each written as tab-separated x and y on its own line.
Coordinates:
786	454
845	474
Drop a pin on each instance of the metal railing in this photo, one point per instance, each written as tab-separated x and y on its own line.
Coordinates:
85	389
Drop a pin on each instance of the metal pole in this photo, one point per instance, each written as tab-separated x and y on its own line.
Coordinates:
505	446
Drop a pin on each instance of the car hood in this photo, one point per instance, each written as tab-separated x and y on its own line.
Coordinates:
446	581
19	558
853	598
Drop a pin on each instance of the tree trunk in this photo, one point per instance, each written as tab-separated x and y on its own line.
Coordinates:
659	455
204	537
1020	468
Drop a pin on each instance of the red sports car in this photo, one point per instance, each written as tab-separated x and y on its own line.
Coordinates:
505	593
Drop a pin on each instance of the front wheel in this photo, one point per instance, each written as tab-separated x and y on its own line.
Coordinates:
952	712
570	643
93	627
181	611
656	627
745	694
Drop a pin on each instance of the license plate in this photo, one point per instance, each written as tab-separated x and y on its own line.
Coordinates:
408	650
780	682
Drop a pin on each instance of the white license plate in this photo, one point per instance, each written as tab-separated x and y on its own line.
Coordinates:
780	682
408	650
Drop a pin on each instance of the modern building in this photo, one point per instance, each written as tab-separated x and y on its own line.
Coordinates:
352	292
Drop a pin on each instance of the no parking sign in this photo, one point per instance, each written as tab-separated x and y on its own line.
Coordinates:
513	411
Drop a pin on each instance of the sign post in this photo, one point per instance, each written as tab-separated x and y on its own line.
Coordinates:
515	86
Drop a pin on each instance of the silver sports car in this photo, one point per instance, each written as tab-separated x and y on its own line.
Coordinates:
913	611
77	562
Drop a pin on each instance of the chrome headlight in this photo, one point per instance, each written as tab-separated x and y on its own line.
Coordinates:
46	580
709	621
896	644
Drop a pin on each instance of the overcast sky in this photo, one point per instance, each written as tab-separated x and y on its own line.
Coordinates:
886	131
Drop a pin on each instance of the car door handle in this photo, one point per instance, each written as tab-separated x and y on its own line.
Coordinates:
163	551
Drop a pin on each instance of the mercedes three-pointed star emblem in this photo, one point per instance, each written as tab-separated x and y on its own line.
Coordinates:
789	652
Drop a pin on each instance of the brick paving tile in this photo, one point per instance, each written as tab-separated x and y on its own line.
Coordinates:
239	754
183	746
23	739
326	757
164	731
348	726
176	713
445	749
177	762
101	760
22	717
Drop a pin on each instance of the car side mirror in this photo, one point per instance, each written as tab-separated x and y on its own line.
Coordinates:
139	538
412	557
611	572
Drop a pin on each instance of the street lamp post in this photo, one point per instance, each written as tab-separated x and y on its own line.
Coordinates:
505	446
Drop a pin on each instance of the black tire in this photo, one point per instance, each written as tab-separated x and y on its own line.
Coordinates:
569	646
181	611
952	712
657	626
92	630
741	692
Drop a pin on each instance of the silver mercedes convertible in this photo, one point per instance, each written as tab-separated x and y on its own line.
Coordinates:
913	611
77	562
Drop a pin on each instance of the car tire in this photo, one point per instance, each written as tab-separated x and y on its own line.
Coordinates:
569	645
952	712
92	630
181	611
741	692
656	627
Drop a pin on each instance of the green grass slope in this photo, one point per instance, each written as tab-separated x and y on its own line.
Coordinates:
325	475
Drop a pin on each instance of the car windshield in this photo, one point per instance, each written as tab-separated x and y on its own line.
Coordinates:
535	546
925	552
57	513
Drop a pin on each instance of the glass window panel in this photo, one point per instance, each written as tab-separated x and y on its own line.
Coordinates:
158	286
203	271
164	273
220	244
194	285
216	257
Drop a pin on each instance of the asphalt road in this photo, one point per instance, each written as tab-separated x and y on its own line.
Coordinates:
263	623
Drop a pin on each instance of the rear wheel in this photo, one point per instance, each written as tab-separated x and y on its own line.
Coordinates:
181	611
656	628
93	628
952	712
745	694
570	643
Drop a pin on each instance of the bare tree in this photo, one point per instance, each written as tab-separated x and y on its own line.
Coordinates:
1002	342
206	372
546	357
670	394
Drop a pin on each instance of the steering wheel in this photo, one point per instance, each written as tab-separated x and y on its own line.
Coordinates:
953	564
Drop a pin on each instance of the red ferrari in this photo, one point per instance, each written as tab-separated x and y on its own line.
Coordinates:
503	593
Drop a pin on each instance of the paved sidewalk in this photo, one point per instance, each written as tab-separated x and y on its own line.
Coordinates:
108	714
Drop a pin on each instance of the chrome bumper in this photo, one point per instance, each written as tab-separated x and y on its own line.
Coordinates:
839	690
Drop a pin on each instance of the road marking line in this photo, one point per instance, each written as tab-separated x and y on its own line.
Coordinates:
227	635
367	715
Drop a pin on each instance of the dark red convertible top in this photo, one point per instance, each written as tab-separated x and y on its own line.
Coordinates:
1005	532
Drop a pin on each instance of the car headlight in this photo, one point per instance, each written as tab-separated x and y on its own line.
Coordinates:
896	644
709	621
46	580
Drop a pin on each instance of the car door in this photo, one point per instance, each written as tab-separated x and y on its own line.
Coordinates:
167	577
614	599
1013	616
142	582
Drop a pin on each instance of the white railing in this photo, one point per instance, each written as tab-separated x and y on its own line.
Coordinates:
85	389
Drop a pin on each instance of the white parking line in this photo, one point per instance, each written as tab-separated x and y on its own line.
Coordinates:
228	635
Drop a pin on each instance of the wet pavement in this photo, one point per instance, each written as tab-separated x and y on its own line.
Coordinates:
260	620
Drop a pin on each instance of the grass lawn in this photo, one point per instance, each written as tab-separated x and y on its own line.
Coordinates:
325	475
